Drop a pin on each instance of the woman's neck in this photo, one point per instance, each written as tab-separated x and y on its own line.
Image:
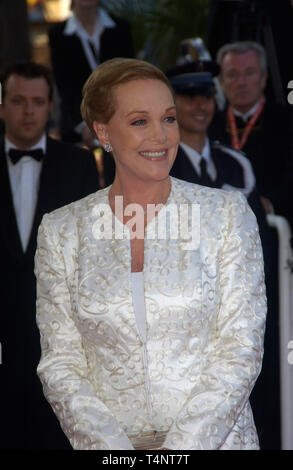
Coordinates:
141	193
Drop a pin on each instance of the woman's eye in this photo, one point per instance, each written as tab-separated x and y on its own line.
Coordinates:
170	119
139	122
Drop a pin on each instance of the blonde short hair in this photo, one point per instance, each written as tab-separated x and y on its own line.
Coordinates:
97	102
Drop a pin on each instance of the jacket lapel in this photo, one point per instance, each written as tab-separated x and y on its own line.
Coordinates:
8	225
47	195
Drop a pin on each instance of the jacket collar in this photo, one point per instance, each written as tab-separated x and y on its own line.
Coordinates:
103	20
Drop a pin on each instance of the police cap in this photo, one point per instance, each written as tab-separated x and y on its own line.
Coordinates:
194	78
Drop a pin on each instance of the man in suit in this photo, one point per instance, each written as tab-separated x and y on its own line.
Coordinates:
90	36
37	175
211	163
255	124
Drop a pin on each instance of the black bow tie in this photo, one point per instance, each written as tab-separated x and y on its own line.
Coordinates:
16	154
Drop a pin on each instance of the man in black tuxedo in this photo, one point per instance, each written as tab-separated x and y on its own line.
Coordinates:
89	36
210	163
256	125
37	175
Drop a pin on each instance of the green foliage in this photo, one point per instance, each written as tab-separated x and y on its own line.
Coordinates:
158	26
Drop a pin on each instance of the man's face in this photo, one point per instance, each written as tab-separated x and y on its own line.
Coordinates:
26	109
194	113
242	79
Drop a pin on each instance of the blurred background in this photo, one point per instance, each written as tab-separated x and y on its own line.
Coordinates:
159	27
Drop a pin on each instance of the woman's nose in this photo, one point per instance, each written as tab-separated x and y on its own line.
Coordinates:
159	133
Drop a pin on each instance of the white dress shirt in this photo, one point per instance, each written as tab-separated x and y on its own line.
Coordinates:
74	26
246	116
196	157
24	180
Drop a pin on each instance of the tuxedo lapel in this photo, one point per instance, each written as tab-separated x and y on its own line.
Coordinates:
47	194
8	225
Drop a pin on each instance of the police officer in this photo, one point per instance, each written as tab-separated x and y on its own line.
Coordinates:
200	160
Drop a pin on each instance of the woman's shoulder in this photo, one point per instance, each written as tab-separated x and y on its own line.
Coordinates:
204	195
220	210
79	211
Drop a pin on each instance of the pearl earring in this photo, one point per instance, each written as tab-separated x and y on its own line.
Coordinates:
108	147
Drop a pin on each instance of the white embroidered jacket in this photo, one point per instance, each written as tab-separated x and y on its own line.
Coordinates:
205	321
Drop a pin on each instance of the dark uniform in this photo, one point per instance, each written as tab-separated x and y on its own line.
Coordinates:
233	171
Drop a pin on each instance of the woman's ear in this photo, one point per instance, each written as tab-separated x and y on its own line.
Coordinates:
101	132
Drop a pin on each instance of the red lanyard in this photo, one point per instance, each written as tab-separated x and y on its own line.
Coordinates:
232	122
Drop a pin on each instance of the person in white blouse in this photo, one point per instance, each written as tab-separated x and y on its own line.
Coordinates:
78	45
148	341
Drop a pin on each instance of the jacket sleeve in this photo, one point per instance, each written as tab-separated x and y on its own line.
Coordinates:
233	362
63	371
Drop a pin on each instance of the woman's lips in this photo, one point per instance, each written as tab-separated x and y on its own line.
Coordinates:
154	155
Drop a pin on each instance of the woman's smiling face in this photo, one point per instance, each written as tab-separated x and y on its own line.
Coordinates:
143	131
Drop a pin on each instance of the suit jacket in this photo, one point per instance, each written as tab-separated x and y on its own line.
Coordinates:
205	309
269	149
68	173
71	68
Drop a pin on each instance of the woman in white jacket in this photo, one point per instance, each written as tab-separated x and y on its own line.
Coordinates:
150	339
